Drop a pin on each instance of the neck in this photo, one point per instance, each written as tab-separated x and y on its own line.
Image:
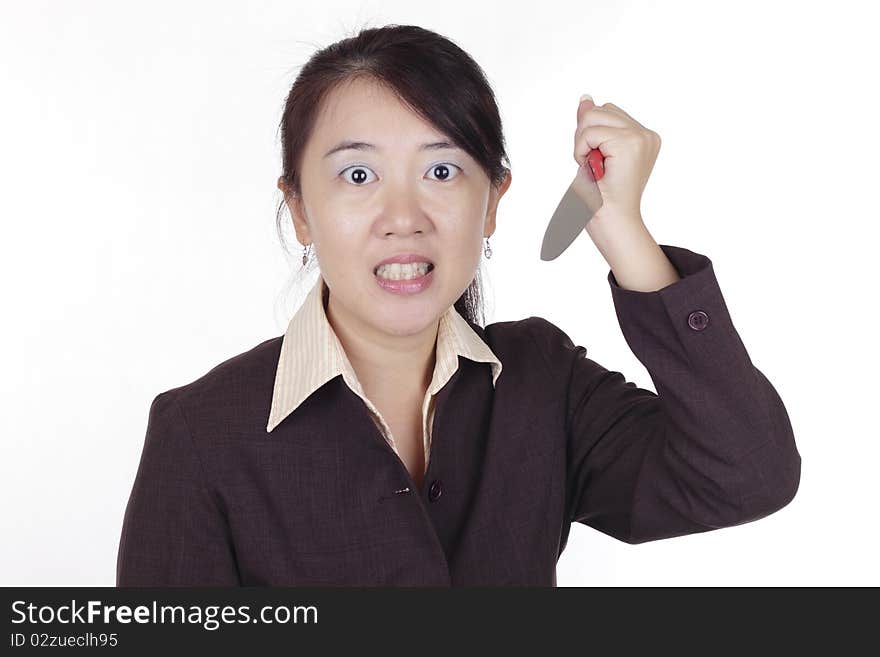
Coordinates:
399	364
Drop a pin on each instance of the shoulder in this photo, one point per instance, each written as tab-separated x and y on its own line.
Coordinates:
240	385
533	341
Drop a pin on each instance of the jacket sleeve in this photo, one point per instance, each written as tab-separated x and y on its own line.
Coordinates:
713	448
174	532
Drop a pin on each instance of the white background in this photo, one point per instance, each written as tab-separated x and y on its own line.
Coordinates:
138	160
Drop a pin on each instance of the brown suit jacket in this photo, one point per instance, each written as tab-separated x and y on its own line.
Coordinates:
325	501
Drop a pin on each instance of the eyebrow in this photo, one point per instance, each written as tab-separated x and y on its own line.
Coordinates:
364	146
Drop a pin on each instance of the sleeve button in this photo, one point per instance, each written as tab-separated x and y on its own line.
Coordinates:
698	320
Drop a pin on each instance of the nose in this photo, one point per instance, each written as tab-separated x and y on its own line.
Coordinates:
403	214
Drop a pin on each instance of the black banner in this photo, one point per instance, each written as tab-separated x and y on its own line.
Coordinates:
141	621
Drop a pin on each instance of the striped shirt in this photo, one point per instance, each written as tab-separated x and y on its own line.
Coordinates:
312	355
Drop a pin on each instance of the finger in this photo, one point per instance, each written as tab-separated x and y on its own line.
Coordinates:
593	115
605	138
583	107
611	107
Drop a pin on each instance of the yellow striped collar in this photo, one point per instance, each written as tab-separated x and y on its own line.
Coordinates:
311	355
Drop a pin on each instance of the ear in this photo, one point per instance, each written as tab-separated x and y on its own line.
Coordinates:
495	194
297	213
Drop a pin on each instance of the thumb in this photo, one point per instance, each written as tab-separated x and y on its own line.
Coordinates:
586	103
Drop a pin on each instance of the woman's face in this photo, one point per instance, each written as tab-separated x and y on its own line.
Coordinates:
361	206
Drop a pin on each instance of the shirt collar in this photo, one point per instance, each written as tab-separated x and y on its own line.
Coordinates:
311	355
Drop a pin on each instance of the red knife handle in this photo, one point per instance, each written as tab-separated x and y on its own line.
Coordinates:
596	162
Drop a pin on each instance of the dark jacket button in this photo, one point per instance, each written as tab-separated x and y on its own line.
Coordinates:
698	320
436	490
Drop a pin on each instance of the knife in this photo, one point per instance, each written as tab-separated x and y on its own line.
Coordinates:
572	214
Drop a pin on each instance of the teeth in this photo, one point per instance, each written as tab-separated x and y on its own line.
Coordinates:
397	271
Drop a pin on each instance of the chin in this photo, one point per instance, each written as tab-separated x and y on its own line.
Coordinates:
401	314
404	322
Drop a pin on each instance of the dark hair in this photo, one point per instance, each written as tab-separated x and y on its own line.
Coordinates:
419	66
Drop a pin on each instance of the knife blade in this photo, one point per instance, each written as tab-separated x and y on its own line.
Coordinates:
572	213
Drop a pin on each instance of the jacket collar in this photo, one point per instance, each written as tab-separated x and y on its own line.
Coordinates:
311	355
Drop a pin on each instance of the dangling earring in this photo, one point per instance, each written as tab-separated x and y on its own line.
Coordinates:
306	254
487	251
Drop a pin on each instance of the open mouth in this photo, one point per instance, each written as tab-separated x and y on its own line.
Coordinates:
406	272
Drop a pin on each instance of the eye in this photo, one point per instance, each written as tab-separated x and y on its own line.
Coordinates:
359	175
444	166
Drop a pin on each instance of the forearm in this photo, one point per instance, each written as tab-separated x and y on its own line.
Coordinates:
636	260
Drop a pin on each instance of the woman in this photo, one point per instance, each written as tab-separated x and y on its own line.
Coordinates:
388	437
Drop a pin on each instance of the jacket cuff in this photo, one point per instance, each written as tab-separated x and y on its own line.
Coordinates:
693	307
